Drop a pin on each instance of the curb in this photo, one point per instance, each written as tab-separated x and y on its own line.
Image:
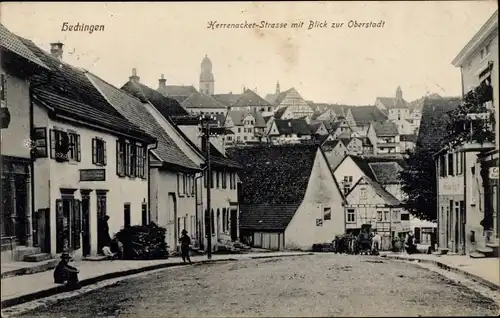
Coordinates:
462	272
93	280
45	266
274	256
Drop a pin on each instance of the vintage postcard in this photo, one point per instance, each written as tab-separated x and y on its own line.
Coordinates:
249	159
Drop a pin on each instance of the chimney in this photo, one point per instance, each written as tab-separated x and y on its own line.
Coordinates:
277	88
56	49
162	82
134	78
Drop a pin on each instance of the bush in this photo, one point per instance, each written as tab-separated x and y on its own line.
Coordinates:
143	242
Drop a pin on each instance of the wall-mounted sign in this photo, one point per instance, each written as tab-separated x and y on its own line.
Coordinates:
92	174
319	222
493	173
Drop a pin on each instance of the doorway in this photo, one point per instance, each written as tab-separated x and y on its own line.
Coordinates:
234	224
86	240
172	227
43	230
101	212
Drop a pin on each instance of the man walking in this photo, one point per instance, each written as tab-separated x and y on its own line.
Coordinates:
185	241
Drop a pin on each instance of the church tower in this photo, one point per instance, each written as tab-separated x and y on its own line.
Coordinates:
399	93
206	77
277	88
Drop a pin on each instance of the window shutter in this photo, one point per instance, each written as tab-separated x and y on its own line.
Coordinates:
94	150
104	152
205	178
3	82
52	142
59	226
179	183
78	148
76	225
118	158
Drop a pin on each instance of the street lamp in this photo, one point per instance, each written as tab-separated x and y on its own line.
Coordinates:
209	129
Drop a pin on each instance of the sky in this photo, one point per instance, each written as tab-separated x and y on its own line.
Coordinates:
344	65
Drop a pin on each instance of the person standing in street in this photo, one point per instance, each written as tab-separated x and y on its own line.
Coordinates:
185	241
103	232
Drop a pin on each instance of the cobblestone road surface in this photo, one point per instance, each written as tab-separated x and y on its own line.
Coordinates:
316	285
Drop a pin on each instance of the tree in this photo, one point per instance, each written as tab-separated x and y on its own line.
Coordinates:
419	184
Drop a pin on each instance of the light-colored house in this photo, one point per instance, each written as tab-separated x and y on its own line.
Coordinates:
318	129
200	103
384	137
369	203
407	142
17	189
353	145
288	131
328	114
92	161
478	62
243	126
404	126
359	118
290	199
172	172
396	107
340	129
250	101
295	104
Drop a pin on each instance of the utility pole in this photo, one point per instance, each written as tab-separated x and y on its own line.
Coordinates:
207	132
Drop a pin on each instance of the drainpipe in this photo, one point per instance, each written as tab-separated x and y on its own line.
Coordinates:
198	228
149	180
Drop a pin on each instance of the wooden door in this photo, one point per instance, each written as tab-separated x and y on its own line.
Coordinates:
234	224
43	230
86	242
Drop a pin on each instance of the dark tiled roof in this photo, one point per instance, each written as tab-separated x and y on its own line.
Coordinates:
419	103
279	113
393	102
227	99
218	159
199	100
177	90
237	116
363	162
271	98
386	172
186	120
133	109
292	126
410	138
313	127
267	118
281	96
266	217
69	81
250	98
385	128
364	115
179	99
432	129
340	110
274	175
73	109
166	106
11	42
259	119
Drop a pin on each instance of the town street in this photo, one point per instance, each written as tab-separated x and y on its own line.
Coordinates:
315	285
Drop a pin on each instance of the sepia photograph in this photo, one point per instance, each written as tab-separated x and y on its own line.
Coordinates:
249	159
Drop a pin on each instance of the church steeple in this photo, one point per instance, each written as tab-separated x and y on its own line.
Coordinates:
207	80
399	93
277	87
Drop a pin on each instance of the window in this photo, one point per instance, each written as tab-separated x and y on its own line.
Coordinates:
327	213
64	146
120	158
224	180
132	160
450	164
395	216
362	193
98	151
144	213
406	216
245	137
442	166
140	166
126	214
239	129
386	216
181	184
3	88
379	216
217	176
351	216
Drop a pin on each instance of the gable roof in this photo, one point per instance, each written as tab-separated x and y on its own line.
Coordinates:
379	190
177	90
250	98
385	128
274	174
292	126
393	102
227	99
280	112
281	96
365	163
266	217
12	43
218	159
432	129
313	127
259	119
386	172
134	110
364	115
271	98
200	100
237	116
166	106
68	81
